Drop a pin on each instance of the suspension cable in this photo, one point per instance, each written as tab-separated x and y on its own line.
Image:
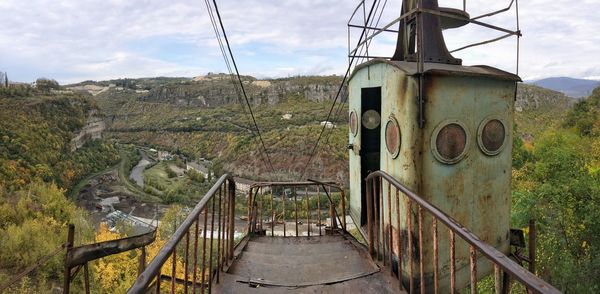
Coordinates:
231	75
336	98
241	84
341	104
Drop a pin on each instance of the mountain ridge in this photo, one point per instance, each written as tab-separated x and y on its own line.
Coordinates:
572	87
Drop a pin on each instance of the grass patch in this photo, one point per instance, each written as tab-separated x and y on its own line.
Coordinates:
162	177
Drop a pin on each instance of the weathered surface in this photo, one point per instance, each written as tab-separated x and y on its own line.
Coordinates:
442	160
93	128
531	97
82	254
326	264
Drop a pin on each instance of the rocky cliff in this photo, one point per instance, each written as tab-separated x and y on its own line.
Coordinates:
530	97
217	90
93	128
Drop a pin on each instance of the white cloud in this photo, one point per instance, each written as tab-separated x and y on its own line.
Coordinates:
99	39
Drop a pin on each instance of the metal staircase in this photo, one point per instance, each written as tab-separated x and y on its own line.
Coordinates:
297	241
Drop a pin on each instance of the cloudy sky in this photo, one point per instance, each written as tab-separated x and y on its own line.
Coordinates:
76	40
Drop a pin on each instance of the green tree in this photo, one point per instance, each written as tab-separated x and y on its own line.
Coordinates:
558	190
46	85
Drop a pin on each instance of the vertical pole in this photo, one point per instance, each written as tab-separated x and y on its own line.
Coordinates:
219	229
343	209
333	223
296	210
157	290
307	210
410	245
67	279
532	239
210	251
174	263
399	245
142	261
452	263
497	279
370	195
435	256
283	201
473	262
319	210
421	264
272	215
376	206
389	235
186	262
332	209
260	209
250	211
231	219
223	227
226	221
173	269
86	276
202	278
195	267
505	283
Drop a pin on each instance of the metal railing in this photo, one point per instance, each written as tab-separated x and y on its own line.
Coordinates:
372	30
211	223
273	206
381	241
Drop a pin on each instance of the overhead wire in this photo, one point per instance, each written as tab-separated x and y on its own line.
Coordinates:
336	97
264	152
228	65
341	104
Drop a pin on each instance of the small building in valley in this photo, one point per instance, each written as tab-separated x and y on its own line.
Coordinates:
194	165
242	185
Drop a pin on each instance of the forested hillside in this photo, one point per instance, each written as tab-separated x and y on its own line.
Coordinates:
37	166
289	115
290	127
556	180
35	140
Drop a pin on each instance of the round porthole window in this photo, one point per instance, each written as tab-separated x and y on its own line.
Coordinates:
393	137
371	119
353	123
491	136
449	142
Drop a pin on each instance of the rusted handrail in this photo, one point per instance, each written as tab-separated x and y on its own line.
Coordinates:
80	255
222	204
500	260
263	206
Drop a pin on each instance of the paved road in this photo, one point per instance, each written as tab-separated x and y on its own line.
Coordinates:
137	172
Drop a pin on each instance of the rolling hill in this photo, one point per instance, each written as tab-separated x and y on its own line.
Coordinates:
576	88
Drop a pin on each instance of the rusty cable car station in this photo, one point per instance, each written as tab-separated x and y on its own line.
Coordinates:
430	150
